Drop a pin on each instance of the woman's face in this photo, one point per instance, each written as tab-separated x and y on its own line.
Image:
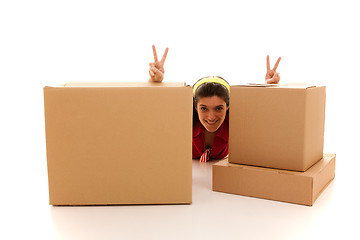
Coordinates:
212	112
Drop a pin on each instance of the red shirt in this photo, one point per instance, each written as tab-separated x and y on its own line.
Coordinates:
220	148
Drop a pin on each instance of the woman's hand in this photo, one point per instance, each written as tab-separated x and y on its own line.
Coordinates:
156	69
271	75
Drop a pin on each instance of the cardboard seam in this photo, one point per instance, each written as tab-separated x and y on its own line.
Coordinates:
304	167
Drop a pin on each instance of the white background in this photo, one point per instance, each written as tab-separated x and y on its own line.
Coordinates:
53	42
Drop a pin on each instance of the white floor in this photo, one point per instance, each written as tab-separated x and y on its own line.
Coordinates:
212	215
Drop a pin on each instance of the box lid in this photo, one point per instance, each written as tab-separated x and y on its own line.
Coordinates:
309	173
288	85
123	84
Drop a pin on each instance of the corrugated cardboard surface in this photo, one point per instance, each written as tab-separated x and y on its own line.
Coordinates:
281	185
278	126
119	144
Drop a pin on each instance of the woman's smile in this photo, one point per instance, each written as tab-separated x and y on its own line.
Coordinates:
211	122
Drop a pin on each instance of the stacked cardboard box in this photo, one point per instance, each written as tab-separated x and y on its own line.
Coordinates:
276	144
115	143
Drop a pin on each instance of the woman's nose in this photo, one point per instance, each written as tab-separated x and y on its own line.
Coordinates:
211	116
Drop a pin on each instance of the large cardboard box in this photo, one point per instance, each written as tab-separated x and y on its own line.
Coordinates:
119	143
277	126
274	184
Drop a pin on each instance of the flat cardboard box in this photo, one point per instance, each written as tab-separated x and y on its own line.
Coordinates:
119	143
274	184
277	126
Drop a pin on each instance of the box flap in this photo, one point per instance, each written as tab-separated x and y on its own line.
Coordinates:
262	169
256	85
124	84
288	85
297	85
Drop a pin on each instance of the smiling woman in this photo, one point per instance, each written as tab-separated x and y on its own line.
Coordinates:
211	118
211	97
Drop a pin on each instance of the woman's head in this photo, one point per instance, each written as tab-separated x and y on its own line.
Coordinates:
211	102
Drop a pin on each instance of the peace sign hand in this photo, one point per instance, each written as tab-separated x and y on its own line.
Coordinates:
156	69
271	75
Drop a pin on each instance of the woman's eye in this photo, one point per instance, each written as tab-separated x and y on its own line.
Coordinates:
220	108
203	108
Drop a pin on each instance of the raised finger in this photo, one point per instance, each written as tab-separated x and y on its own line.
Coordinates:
277	64
267	63
164	56
154	51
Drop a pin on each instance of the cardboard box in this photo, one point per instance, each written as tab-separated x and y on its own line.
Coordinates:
274	184
119	143
277	126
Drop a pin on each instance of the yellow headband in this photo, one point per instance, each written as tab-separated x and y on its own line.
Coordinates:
210	79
